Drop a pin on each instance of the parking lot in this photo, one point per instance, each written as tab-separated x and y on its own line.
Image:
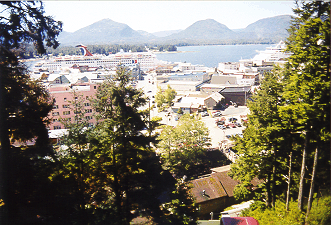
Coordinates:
216	134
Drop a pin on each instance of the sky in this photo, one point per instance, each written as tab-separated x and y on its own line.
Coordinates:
154	16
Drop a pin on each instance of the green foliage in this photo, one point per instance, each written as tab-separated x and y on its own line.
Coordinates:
180	111
262	147
169	95
182	147
275	215
181	209
320	212
164	98
242	191
290	112
24	104
129	170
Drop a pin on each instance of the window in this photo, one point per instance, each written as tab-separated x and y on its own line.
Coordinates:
65	99
66	113
55	120
66	119
55	106
57	127
65	106
55	113
87	104
86	97
95	87
88	117
88	110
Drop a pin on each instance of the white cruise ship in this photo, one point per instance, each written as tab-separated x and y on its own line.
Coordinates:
273	54
146	60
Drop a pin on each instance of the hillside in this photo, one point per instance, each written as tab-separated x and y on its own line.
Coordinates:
206	31
103	32
268	28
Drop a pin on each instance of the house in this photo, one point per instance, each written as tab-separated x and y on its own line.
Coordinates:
236	94
189	105
213	101
214	192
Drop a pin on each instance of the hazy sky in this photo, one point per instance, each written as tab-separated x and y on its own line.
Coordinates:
153	16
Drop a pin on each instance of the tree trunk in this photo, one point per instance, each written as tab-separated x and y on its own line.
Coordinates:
311	191
273	190
289	183
302	175
268	191
4	158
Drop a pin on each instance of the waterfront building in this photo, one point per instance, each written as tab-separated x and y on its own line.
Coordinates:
224	66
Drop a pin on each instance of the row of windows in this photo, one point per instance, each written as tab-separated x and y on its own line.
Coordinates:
57	127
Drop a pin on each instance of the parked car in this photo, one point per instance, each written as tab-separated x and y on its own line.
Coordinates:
238	124
217	114
232	125
204	113
222	127
219	122
232	119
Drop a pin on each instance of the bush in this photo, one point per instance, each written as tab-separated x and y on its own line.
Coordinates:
320	211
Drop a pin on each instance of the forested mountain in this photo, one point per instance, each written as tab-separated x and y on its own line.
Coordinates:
207	31
101	32
204	30
268	28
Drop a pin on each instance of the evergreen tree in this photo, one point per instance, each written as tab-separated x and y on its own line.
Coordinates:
23	103
262	148
71	167
131	172
307	85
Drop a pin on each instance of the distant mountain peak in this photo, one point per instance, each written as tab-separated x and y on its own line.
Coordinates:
207	31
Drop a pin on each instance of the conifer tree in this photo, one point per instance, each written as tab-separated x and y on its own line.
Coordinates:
307	82
23	103
260	150
131	172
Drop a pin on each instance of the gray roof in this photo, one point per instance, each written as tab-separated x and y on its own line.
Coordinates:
236	89
223	79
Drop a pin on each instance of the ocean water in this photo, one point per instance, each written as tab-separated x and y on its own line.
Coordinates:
211	55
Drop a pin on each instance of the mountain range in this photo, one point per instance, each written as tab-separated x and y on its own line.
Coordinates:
207	31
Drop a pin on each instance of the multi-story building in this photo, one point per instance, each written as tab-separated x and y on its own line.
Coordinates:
65	101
